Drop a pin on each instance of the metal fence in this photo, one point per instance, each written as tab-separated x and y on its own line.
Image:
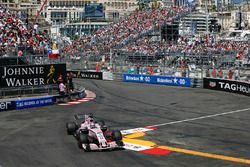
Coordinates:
28	91
163	62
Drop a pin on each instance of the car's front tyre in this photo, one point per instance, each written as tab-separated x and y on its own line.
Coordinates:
71	127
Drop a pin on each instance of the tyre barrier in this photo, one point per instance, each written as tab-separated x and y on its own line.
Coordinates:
38	101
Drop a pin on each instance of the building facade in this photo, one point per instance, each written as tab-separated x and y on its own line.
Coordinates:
66	11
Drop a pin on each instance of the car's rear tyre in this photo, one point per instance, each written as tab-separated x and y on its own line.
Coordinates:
117	135
71	127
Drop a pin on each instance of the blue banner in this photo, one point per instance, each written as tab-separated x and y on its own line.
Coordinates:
154	79
35	102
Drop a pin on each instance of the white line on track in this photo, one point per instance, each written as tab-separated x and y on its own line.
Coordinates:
83	100
199	118
74	102
64	104
88	98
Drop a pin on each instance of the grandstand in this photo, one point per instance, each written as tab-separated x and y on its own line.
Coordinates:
131	39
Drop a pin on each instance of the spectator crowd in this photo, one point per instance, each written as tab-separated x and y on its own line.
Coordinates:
16	36
128	34
122	32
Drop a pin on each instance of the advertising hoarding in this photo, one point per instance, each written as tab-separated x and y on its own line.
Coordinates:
153	79
31	75
86	74
242	88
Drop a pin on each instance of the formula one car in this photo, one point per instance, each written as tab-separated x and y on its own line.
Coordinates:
92	135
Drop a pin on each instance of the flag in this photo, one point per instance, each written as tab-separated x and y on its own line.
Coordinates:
53	54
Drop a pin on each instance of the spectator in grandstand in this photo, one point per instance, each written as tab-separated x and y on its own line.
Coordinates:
220	73
213	73
230	74
150	70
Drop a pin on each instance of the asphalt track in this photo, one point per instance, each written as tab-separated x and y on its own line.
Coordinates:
188	121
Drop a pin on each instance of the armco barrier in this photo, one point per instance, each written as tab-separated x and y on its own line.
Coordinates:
153	79
232	86
76	95
38	102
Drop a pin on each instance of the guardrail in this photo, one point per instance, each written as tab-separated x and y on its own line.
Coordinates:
232	86
28	91
38	101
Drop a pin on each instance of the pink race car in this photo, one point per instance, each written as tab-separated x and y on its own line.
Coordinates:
91	135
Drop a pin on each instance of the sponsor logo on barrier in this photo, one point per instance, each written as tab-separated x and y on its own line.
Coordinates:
86	74
166	80
34	102
4	105
108	76
31	75
170	81
212	84
134	78
10	74
7	105
234	87
227	85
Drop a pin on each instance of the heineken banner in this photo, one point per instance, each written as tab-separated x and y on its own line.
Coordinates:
86	74
232	86
31	75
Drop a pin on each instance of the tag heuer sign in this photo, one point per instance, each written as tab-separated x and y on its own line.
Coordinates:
232	86
212	84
